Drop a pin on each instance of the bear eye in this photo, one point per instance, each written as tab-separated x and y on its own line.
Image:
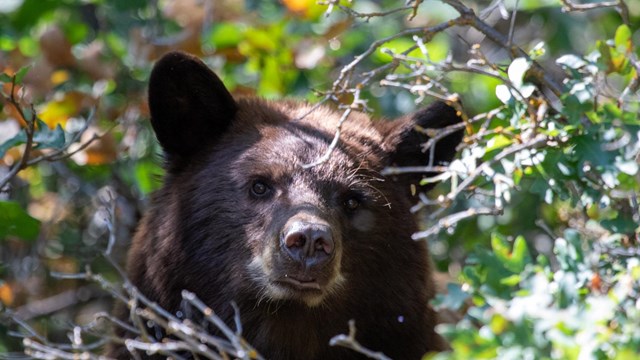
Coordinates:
351	203
259	188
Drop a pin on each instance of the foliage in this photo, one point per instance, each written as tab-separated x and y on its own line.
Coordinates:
536	222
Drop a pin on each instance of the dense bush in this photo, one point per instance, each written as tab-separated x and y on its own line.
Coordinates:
535	224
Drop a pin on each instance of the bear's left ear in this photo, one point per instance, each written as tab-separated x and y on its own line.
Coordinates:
189	104
404	143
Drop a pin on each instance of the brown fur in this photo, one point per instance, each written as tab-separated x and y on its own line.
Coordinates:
208	233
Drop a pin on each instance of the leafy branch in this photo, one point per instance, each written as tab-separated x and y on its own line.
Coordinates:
36	134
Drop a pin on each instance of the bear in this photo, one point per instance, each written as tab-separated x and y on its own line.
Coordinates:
246	224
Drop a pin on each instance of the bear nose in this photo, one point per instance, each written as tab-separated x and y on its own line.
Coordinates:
310	244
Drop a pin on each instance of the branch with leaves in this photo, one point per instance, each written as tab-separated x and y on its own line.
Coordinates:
36	134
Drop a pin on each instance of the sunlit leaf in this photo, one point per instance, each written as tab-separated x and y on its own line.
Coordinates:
59	76
6	294
498	324
498	142
571	61
7	43
58	111
504	94
28	46
224	35
297	5
271	82
517	70
260	39
309	9
147	176
623	39
512	280
538	50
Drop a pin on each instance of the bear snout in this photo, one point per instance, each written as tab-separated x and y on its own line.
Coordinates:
309	243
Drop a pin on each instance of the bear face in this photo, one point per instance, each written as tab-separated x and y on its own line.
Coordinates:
300	249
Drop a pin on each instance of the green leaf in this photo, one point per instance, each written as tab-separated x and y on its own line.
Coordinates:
225	35
28	46
146	176
568	250
43	138
47	138
21	73
620	225
605	52
623	39
513	260
32	11
520	253
7	43
5	78
589	151
500	246
14	221
75	32
261	39
498	142
19	138
454	298
512	280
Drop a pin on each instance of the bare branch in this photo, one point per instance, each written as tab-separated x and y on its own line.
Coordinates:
29	130
349	341
334	142
534	143
451	220
620	5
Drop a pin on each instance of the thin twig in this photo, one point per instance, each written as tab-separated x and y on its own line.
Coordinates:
349	341
620	5
29	131
451	220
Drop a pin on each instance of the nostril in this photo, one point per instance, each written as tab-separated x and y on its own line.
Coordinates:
324	244
295	240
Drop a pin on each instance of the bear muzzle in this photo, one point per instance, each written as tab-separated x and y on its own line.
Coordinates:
308	243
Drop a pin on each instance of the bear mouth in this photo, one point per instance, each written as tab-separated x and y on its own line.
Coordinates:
299	283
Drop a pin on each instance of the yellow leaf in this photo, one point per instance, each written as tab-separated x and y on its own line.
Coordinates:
59	76
59	110
6	294
308	9
297	5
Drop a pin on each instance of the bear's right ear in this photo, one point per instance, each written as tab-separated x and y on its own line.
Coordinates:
404	143
189	104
